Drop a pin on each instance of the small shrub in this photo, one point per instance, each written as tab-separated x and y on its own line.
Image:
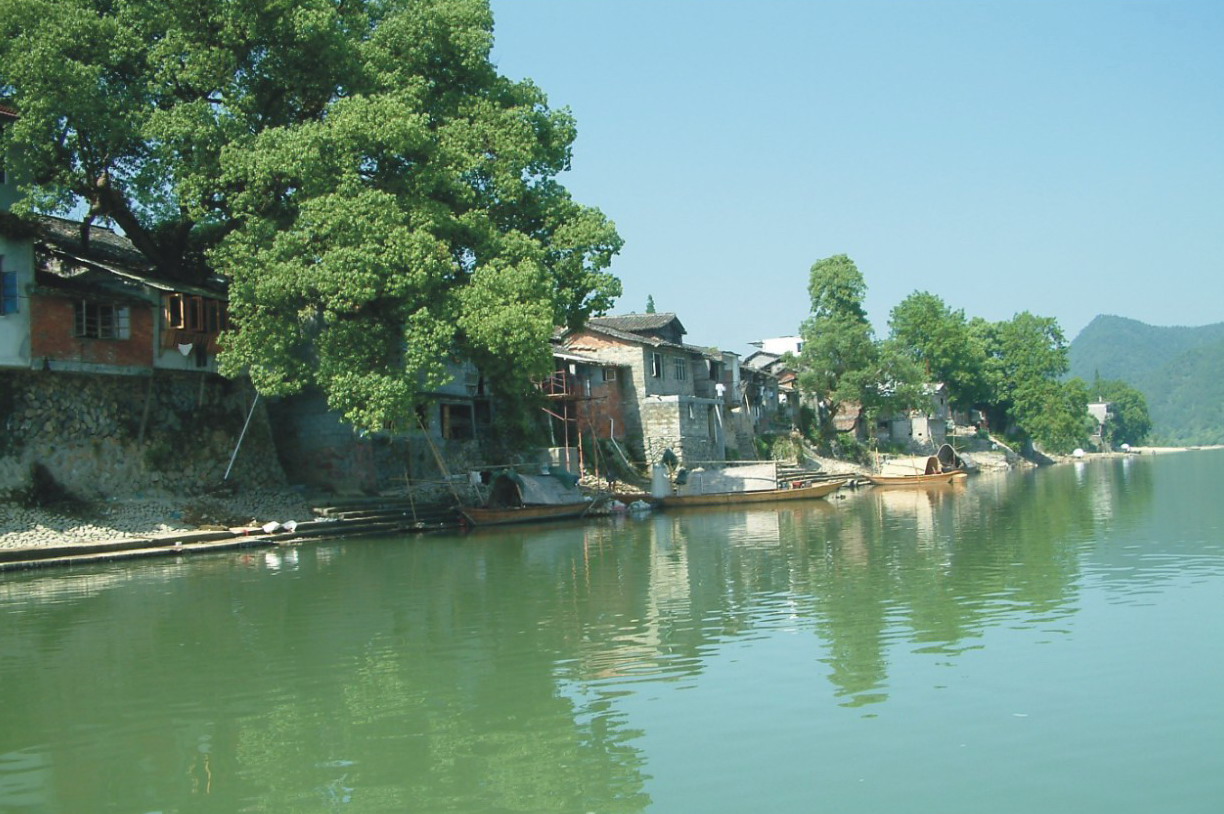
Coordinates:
159	455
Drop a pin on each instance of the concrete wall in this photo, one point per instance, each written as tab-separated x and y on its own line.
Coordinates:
126	436
16	254
319	449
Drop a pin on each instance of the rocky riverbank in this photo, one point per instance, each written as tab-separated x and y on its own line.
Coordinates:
110	520
135	518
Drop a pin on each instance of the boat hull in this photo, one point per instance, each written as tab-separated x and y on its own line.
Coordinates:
484	516
917	480
764	496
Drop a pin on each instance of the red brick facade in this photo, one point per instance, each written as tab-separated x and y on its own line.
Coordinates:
53	337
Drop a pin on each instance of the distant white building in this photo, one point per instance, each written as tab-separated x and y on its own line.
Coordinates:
1099	410
779	345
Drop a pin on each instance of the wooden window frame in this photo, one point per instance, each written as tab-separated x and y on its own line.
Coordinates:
457	421
101	320
195	314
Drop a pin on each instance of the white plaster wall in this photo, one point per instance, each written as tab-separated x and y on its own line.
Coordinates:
15	328
782	344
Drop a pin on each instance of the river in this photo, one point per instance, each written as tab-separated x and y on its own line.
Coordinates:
1045	641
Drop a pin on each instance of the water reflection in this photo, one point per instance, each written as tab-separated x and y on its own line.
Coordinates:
491	671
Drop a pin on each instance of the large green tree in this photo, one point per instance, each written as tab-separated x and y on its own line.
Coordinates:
1026	357
1129	422
381	199
841	362
939	340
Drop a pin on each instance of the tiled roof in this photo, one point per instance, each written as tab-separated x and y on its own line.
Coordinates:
104	245
847	417
635	323
8	112
626	336
107	252
710	353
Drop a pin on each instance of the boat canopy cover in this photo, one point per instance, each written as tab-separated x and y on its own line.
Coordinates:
514	489
946	460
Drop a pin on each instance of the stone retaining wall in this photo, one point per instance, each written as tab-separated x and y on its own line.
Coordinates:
103	436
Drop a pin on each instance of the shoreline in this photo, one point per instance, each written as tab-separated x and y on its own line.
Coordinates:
131	519
119	522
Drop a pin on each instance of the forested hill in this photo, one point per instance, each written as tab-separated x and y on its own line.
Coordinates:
1180	372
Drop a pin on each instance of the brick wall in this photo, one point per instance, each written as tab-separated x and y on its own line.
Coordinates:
51	336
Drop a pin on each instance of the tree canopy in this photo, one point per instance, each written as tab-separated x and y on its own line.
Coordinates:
939	340
841	362
1129	422
381	199
1012	369
1025	358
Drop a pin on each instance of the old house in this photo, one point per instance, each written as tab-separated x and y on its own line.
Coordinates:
585	403
674	394
83	299
97	307
923	428
767	399
105	367
452	426
1101	412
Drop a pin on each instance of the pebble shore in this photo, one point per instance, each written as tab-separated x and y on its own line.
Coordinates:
24	527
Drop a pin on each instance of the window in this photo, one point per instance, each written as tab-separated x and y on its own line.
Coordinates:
680	367
8	290
184	312
100	321
609	374
457	422
656	365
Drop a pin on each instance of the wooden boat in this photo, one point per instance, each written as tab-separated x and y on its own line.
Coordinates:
950	476
495	516
811	492
943	467
516	498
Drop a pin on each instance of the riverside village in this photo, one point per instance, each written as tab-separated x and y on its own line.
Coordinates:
121	438
626	408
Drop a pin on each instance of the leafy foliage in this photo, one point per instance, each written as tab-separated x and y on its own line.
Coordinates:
841	362
1129	422
940	341
381	199
1025	358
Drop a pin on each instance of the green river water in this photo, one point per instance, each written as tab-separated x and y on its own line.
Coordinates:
1048	641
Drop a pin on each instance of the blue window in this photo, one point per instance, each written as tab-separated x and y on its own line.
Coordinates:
8	290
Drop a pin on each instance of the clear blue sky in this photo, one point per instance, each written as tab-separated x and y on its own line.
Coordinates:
1064	158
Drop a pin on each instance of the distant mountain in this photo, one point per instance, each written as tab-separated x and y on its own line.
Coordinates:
1180	372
